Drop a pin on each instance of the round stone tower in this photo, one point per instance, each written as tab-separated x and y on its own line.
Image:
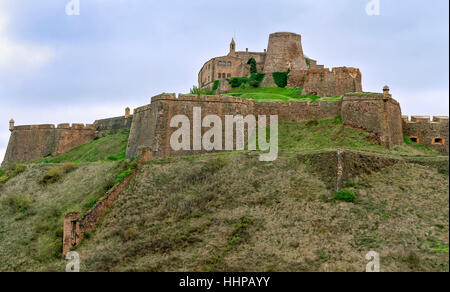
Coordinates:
284	52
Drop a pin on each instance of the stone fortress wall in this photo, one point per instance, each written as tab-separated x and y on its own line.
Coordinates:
28	143
151	123
432	133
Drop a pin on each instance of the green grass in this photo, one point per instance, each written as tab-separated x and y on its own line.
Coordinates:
108	148
32	214
344	196
274	94
331	134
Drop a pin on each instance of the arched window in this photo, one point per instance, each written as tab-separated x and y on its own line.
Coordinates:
414	139
438	141
229	64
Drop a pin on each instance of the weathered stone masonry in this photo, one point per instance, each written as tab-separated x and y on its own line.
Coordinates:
31	142
151	123
430	133
28	143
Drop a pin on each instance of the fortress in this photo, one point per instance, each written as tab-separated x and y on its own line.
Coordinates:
284	52
150	131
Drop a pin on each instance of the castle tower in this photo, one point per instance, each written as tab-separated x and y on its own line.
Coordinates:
232	48
284	52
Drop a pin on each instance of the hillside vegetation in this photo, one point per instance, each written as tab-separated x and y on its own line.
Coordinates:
276	94
32	211
108	148
230	212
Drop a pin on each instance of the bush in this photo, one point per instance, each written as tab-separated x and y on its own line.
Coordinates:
256	79
216	85
281	78
344	196
236	82
69	167
194	90
57	172
53	175
19	203
252	63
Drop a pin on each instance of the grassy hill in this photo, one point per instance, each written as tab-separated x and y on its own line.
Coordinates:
108	148
276	94
229	212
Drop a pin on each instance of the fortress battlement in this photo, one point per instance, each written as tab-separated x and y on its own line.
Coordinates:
65	126
334	70
425	119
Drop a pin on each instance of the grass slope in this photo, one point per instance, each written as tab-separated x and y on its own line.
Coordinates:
32	213
109	148
330	134
276	94
230	212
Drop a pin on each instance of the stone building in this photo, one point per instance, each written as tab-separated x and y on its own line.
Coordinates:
284	52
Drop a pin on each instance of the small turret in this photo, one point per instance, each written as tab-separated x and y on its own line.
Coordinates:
232	48
11	125
386	94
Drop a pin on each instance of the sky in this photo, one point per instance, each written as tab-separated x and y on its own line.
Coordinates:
56	67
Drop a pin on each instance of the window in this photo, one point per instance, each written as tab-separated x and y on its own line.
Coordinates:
220	75
438	141
222	63
414	139
229	75
229	64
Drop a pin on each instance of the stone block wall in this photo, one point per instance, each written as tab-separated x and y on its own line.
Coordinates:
28	143
151	123
114	124
433	133
375	113
323	82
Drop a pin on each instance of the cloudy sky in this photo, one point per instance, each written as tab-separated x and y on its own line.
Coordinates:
58	68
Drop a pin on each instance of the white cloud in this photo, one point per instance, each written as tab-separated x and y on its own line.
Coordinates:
16	55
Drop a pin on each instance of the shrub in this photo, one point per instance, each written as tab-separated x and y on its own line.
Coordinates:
308	61
216	85
19	203
252	63
256	79
57	172
442	170
240	229
281	78
69	167
53	175
345	196
236	82
194	90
